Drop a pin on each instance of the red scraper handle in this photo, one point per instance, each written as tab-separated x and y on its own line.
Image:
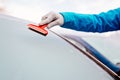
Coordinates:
39	29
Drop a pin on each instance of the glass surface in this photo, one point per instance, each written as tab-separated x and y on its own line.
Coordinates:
26	55
108	46
89	50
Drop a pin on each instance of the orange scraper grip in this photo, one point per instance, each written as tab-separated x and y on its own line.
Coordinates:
39	29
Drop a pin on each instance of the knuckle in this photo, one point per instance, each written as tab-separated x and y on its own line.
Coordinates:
48	20
57	22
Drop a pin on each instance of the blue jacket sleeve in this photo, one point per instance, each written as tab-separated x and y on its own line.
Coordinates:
103	22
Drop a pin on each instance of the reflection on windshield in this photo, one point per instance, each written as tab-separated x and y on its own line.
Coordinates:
92	53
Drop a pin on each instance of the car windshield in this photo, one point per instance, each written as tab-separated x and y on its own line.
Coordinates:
108	46
24	53
34	10
100	46
106	43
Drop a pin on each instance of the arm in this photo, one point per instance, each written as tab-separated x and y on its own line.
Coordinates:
102	22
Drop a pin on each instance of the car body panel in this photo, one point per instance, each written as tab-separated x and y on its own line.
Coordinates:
26	55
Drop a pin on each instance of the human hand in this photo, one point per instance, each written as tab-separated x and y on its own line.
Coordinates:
52	19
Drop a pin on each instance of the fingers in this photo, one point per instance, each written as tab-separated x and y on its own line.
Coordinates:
46	20
52	19
54	23
45	16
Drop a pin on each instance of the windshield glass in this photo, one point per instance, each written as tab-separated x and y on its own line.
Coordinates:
107	45
27	55
94	45
34	10
15	7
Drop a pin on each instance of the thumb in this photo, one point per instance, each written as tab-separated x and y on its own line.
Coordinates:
52	24
44	22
